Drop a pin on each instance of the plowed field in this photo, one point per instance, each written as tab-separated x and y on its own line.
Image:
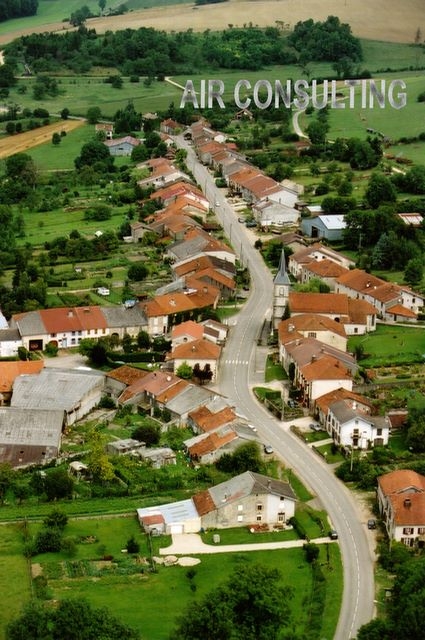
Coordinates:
20	142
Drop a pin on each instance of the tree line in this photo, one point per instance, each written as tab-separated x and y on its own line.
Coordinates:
17	9
146	51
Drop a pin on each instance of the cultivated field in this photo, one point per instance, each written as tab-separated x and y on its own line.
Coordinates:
386	20
21	142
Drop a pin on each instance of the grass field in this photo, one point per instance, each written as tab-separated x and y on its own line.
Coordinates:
390	343
120	588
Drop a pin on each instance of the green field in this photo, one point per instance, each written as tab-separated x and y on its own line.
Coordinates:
50	11
390	343
134	596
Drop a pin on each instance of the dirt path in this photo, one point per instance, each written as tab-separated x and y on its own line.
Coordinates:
21	142
389	20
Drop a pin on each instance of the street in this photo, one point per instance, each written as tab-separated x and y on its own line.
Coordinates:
239	371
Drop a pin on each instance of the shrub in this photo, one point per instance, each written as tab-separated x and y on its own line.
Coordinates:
132	545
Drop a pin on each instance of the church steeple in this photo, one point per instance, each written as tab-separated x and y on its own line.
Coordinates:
281	287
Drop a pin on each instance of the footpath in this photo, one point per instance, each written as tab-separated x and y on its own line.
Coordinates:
192	544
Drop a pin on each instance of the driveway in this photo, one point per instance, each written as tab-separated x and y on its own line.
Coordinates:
192	544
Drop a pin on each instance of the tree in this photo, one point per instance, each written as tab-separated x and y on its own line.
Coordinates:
143	340
93	152
64	113
58	484
375	630
6	480
380	190
102	5
94	114
184	371
251	605
246	457
148	432
414	272
132	545
57	519
73	619
137	271
97	460
127	343
49	539
416	435
56	138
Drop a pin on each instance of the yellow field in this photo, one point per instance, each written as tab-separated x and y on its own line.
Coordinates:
389	20
20	142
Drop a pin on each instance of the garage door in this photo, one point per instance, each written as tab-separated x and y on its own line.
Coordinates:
176	528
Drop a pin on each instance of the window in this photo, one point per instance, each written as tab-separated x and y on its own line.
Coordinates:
421	531
379	432
356	330
240	518
281	516
240	507
259	506
408	531
259	518
312	334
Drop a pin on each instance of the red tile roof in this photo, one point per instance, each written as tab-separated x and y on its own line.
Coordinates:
408	509
195	350
11	370
189	328
127	374
325	368
325	303
400	480
211	443
64	319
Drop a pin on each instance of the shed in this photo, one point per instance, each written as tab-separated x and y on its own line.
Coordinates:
330	227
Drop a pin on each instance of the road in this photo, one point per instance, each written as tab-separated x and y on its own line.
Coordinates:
241	368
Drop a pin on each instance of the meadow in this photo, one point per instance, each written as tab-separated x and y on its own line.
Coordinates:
134	596
389	344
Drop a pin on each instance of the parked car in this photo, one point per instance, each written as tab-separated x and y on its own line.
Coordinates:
250	223
315	427
268	448
241	219
371	524
333	535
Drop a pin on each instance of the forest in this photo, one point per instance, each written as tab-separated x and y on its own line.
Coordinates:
17	9
146	51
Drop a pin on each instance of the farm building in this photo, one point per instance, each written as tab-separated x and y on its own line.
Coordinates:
73	392
329	227
122	146
29	437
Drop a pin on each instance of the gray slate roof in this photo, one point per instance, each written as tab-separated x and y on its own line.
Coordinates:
39	427
249	483
281	277
122	317
189	399
54	388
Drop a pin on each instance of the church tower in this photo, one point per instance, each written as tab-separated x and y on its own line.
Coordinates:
281	287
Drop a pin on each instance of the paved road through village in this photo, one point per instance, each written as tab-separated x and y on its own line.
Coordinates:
241	368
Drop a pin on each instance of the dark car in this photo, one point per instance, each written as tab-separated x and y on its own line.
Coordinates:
333	535
371	524
250	223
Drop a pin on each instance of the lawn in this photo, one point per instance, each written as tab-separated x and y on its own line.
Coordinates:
274	371
389	345
49	157
14	582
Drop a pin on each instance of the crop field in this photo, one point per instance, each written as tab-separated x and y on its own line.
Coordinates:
21	142
388	20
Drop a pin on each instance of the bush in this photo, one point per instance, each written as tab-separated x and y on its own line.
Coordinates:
298	527
132	545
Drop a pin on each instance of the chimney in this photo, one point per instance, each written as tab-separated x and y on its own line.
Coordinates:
313	358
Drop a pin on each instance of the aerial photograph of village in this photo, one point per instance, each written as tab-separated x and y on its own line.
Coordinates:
212	320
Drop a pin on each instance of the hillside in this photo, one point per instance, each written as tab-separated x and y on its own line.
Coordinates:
389	20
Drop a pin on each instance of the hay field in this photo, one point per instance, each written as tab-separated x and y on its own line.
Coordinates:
387	20
21	142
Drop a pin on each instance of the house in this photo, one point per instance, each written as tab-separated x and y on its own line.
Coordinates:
401	502
107	129
186	332
328	227
73	392
315	253
249	499
169	126
122	146
157	457
357	317
310	325
397	303
326	270
163	310
10	341
215	331
179	405
348	419
124	446
10	370
196	242
207	448
322	375
273	216
202	355
30	437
